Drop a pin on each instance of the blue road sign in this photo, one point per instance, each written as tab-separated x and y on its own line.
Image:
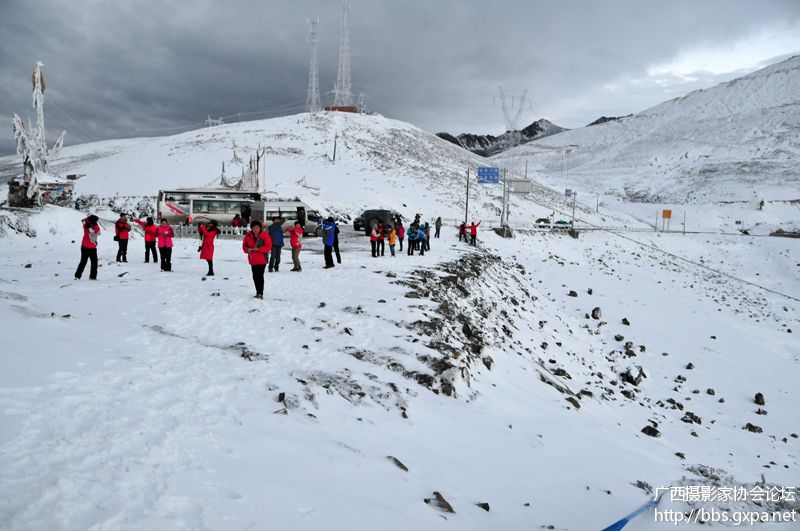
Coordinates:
568	192
488	175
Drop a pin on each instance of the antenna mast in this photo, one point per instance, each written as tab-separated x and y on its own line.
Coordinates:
312	100
343	96
512	122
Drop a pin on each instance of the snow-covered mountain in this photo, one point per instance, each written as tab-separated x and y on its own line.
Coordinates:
728	142
488	145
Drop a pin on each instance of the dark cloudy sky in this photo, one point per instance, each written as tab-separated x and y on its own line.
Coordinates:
150	67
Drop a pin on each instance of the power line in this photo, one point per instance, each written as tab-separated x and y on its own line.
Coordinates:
673	255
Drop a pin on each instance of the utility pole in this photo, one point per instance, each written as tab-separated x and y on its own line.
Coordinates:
335	136
503	200
466	208
574	196
597	205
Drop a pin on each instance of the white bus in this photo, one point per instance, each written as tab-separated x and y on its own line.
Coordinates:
192	206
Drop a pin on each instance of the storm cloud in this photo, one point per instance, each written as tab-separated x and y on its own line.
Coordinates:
147	68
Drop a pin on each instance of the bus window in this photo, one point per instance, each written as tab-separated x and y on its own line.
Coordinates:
200	206
301	215
216	207
272	214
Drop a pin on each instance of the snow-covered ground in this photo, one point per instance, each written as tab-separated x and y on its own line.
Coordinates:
151	400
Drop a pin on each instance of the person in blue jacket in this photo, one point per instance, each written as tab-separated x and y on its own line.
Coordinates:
412	238
422	238
328	235
275	232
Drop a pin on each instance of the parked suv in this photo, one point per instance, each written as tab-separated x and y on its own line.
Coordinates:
371	218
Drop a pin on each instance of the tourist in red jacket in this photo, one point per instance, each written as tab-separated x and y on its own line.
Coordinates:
164	237
401	233
150	235
121	230
91	230
473	232
381	247
374	236
295	233
209	231
257	245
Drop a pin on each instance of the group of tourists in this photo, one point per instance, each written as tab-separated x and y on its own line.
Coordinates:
418	233
262	246
473	232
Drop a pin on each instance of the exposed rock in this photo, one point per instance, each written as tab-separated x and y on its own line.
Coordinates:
483	505
397	462
753	428
625	321
439	501
589	291
596	313
681	455
574	402
651	431
690	418
689	366
759	399
563	373
711	391
619	337
760	411
633	375
572	294
487	361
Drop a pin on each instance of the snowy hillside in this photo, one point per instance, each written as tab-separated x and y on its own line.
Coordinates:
724	143
379	163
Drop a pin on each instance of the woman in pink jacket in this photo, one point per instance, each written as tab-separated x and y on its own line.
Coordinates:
257	245
209	231
89	247
164	236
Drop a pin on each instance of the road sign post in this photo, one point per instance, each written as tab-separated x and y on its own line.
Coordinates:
488	175
666	215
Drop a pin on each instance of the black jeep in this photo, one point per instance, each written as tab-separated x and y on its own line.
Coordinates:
371	218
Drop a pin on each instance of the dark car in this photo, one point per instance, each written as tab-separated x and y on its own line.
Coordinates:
371	218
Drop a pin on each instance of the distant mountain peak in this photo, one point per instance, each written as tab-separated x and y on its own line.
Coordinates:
488	145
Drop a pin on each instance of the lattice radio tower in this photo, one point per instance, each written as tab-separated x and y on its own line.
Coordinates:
312	100
343	96
517	105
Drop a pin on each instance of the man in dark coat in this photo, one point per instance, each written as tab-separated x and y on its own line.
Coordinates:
276	234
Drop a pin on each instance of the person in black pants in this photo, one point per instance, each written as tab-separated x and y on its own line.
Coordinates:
89	247
381	244
336	244
122	229
275	232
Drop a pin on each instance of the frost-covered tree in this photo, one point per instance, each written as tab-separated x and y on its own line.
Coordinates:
31	144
